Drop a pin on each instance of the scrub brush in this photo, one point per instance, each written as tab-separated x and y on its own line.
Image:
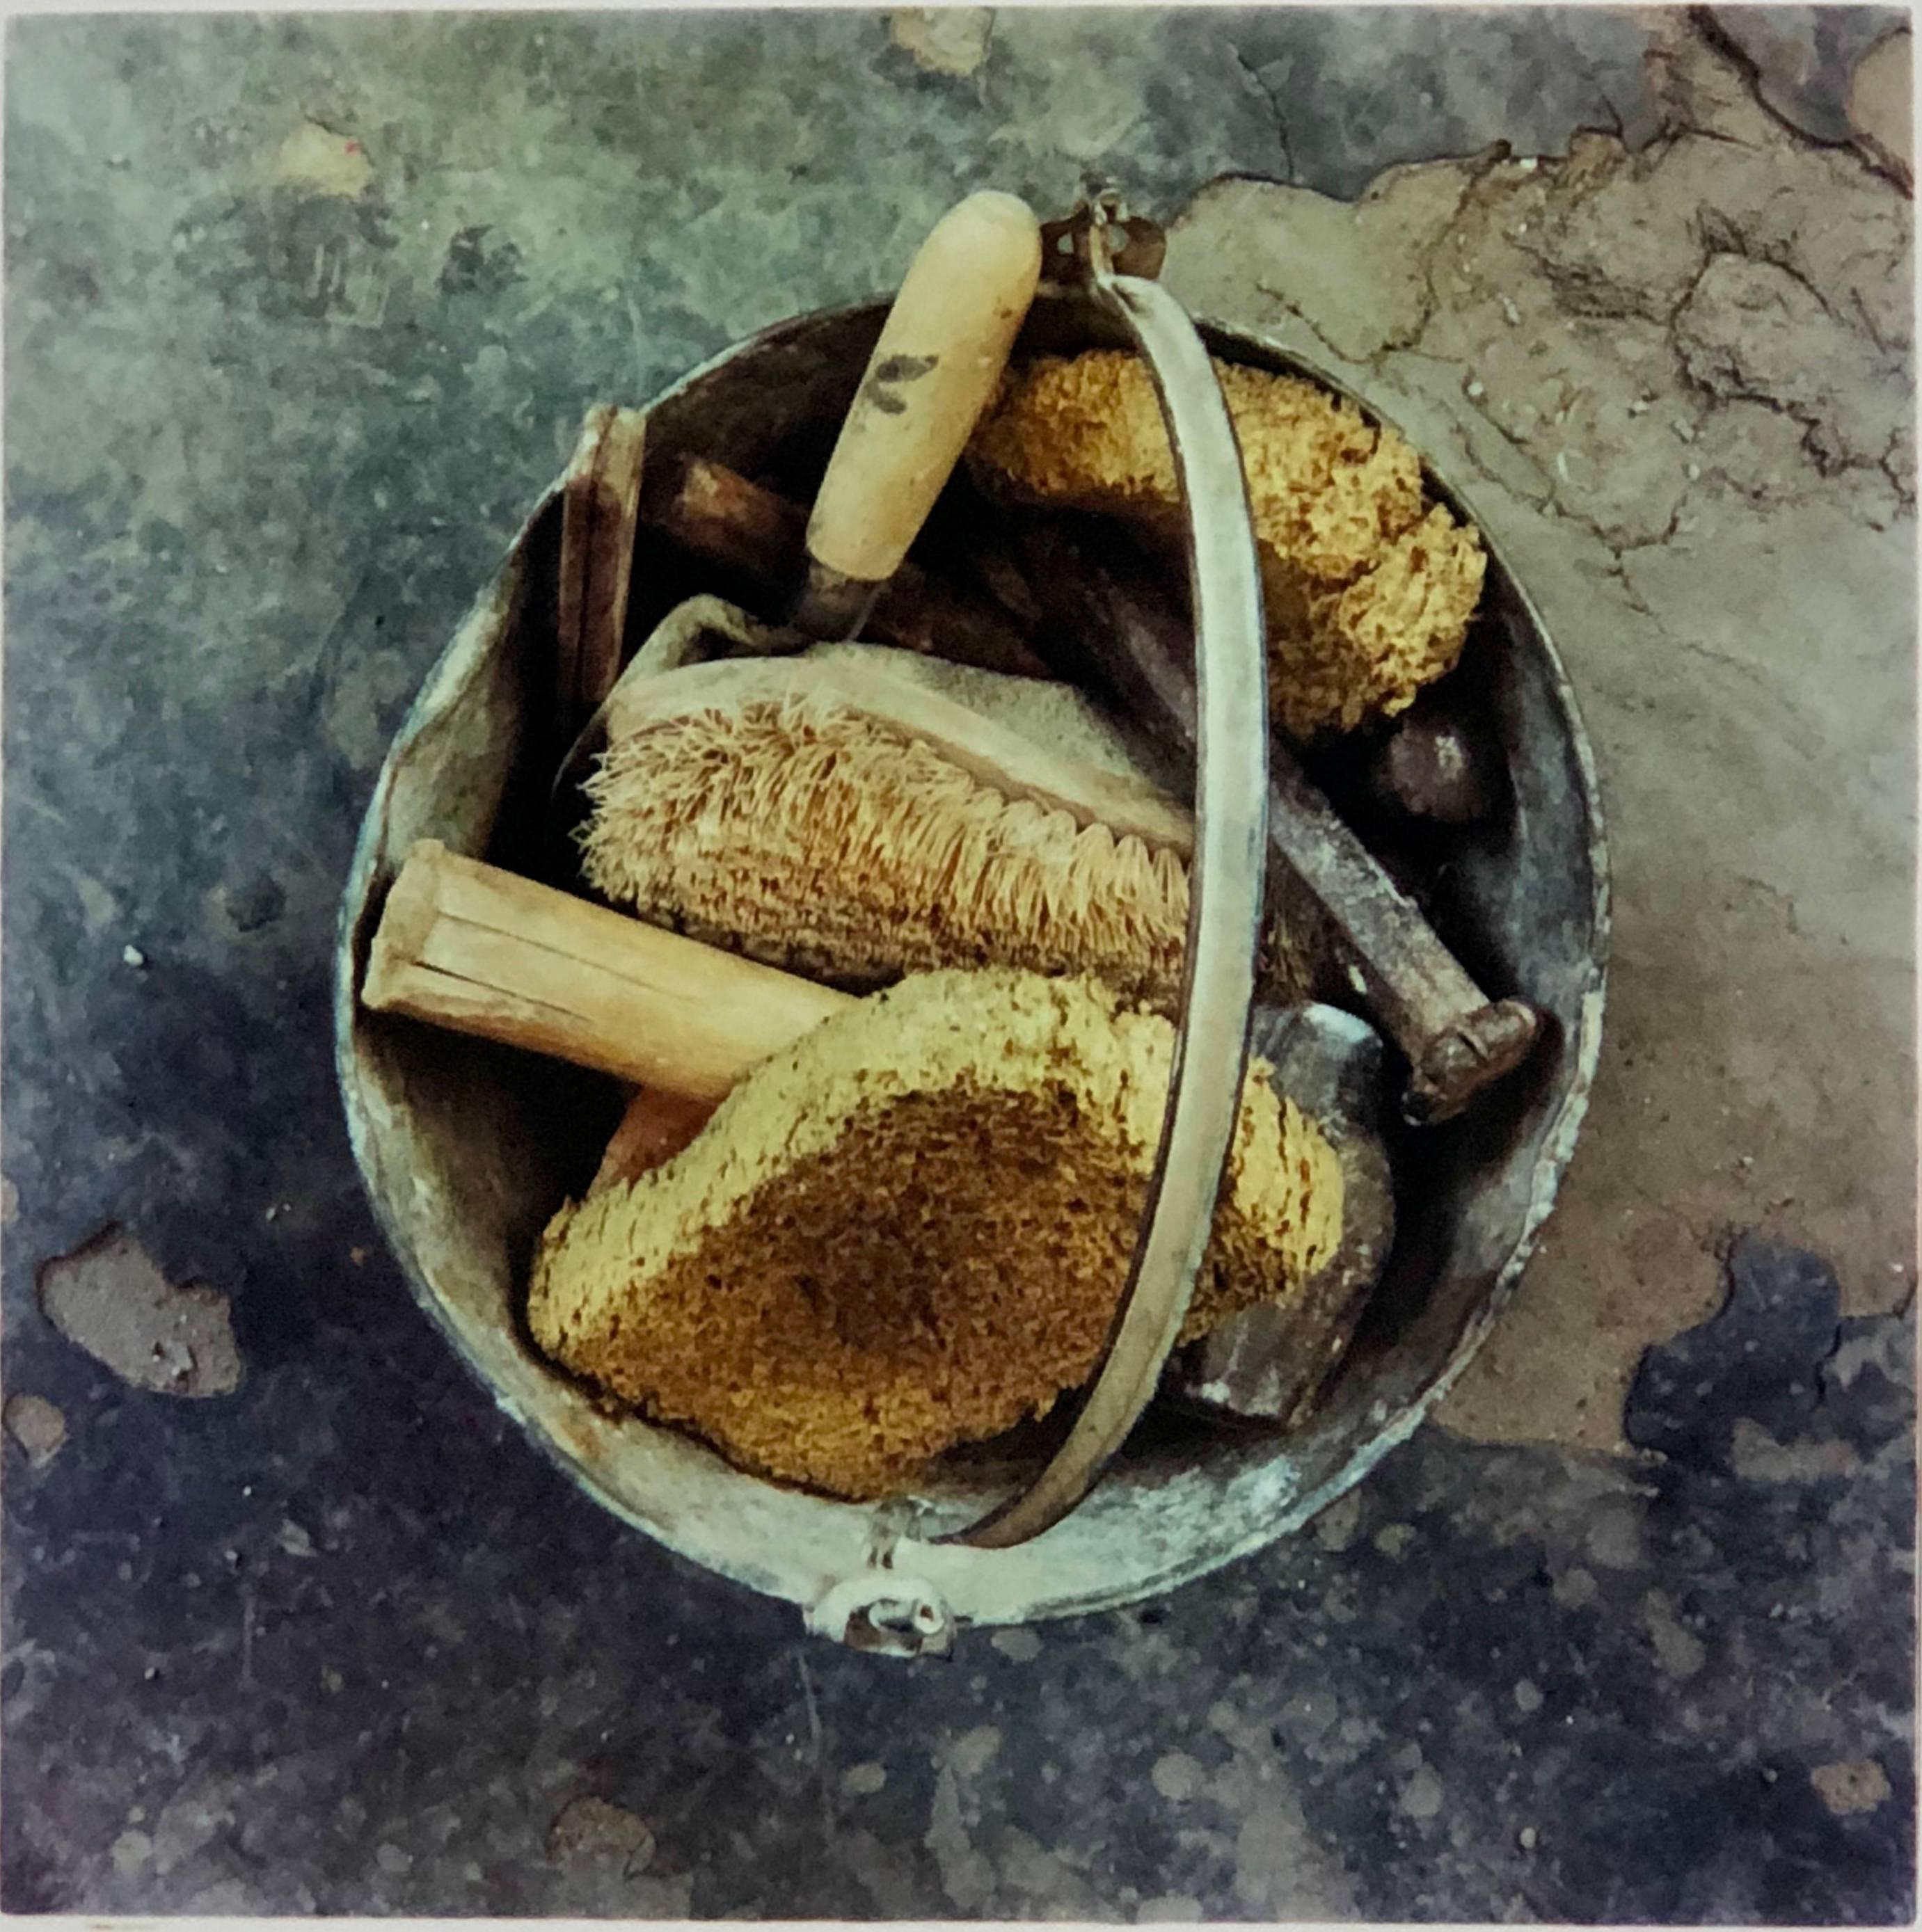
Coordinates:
857	825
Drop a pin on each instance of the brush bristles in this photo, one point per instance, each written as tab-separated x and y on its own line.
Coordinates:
809	836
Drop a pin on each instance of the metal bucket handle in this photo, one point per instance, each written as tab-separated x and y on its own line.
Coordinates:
1226	877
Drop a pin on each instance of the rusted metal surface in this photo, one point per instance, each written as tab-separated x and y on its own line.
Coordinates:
1131	244
466	1150
1431	767
1269	1364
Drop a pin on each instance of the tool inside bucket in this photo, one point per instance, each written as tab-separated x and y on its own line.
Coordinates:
927	958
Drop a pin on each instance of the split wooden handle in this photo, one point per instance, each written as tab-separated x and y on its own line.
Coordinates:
481	951
942	353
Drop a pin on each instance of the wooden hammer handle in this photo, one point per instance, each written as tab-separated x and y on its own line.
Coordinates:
469	946
719	515
600	498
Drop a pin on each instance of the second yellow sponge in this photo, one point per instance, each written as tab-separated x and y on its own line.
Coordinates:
1369	585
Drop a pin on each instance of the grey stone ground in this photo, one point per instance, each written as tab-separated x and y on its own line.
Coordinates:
301	314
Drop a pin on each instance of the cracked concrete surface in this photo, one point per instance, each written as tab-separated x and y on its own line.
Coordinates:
1881	107
1799	58
1675	384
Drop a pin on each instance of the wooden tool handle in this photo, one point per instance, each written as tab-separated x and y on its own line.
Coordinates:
942	353
655	1126
481	951
600	496
751	532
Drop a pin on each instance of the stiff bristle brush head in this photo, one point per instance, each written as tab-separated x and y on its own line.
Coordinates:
858	829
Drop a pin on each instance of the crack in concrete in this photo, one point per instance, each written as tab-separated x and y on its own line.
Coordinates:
1552	500
1681	304
1811	421
1480	168
1723	234
1408	339
1703	19
1660	541
1287	302
1696	648
1694	131
1252	74
1617	127
1868	322
1901	481
1733	240
1670	83
1636	601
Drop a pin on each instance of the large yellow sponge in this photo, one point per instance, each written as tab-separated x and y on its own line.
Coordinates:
912	1230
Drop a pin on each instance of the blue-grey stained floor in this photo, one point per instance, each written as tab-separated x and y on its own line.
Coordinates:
340	1640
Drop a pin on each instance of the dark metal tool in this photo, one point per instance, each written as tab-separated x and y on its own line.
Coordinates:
1126	636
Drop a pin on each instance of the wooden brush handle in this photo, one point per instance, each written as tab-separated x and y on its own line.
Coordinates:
940	354
468	946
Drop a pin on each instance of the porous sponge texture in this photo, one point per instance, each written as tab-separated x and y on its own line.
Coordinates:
1369	587
911	1230
810	837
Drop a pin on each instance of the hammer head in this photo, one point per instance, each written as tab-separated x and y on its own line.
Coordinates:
1267	1366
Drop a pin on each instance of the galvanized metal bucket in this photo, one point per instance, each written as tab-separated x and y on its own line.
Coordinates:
467	1149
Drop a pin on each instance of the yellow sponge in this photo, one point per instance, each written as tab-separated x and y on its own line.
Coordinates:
1369	587
912	1230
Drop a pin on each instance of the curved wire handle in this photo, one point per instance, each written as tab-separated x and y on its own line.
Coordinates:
1227	888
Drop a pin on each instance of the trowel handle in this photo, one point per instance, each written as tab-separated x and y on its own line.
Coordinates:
940	354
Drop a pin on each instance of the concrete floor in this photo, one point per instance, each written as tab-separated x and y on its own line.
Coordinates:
301	314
